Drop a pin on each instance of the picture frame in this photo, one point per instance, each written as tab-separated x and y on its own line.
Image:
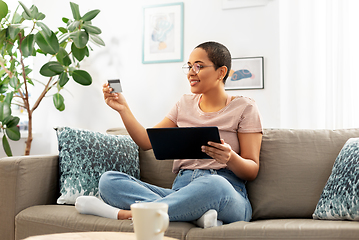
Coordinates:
246	73
162	33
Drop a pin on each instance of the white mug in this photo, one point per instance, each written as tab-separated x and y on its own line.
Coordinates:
150	220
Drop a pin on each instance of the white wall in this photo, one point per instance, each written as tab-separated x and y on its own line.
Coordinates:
152	89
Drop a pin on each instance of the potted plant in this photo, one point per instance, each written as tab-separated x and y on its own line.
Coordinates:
25	35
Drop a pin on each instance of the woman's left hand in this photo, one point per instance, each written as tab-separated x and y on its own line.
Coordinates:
221	152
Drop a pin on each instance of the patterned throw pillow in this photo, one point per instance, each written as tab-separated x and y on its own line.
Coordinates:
85	155
340	196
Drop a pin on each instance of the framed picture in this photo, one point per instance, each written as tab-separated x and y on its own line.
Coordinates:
246	73
163	33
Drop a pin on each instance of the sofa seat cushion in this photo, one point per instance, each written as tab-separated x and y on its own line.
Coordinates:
50	219
280	229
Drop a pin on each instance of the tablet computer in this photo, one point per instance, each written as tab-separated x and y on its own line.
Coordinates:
181	142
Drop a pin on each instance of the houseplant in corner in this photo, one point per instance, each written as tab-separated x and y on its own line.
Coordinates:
24	36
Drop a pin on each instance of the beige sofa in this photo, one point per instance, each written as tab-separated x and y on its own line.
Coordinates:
295	165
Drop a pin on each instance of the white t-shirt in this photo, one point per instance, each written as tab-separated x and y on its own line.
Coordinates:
240	115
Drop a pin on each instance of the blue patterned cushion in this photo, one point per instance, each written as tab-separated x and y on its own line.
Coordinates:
84	155
340	196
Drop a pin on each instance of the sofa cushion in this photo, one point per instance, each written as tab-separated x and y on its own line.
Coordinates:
294	167
84	155
152	171
340	196
279	229
48	219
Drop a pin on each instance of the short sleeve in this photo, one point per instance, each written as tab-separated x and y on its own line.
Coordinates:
173	113
250	120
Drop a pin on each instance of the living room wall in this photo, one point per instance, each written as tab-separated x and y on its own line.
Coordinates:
152	89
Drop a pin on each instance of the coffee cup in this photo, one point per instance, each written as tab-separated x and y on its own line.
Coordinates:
150	220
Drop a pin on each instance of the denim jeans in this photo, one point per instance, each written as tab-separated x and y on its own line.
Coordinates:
193	193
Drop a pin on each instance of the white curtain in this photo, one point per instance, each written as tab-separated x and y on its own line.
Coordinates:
319	63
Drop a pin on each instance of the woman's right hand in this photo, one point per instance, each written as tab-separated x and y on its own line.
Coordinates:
114	100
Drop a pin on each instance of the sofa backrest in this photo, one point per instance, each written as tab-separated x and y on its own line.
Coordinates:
294	168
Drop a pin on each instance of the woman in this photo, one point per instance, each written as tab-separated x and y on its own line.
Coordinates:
203	189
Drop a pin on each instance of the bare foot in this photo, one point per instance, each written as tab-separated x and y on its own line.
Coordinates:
124	214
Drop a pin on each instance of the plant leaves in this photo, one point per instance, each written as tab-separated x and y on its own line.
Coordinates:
14	82
13	31
97	40
6	146
47	44
82	77
72	26
44	28
63	79
13	133
12	121
90	15
5	110
3	9
79	53
59	101
51	69
63	57
26	10
91	29
80	38
27	45
75	11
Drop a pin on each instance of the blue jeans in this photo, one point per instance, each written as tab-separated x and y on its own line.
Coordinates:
193	193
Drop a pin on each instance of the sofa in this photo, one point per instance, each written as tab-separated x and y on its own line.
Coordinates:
294	167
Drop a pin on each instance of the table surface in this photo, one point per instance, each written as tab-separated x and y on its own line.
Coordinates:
89	236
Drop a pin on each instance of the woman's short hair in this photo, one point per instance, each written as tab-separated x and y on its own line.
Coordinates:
219	55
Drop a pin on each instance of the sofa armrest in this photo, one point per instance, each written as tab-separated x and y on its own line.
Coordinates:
25	181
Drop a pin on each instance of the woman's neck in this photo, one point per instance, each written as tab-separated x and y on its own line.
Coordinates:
214	101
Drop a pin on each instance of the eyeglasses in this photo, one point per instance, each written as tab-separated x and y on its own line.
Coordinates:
195	67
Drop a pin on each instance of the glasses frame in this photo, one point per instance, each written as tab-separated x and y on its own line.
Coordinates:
187	68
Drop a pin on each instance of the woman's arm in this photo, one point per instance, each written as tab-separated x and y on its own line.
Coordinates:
137	132
246	165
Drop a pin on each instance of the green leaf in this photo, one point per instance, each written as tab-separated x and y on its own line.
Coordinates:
3	9
12	121
47	44
13	133
72	26
40	16
97	40
14	82
26	10
44	28
90	15
59	102
79	53
6	146
91	29
27	45
62	29
65	20
63	79
82	77
5	110
51	69
75	11
13	31
63	57
80	38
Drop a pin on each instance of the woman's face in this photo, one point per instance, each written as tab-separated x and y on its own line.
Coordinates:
207	78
